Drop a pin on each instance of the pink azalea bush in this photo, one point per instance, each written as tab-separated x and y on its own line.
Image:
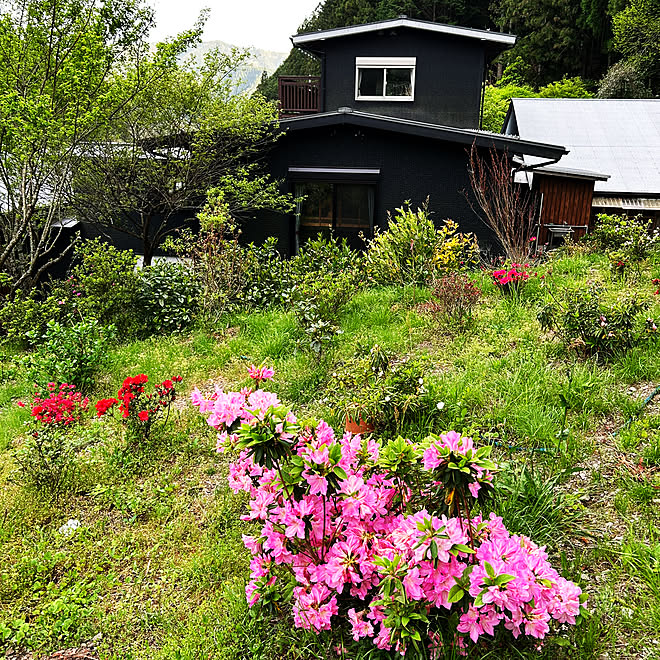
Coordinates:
380	538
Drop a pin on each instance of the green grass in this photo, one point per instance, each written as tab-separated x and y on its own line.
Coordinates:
158	566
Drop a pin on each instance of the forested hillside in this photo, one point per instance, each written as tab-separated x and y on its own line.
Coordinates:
613	45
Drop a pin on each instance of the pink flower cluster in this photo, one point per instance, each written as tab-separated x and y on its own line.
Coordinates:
332	520
516	274
260	373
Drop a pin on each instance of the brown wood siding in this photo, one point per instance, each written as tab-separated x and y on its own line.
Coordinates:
565	202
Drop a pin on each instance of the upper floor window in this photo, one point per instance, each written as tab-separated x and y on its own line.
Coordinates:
385	78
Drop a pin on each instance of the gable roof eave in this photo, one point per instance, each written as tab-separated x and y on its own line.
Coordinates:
465	136
502	39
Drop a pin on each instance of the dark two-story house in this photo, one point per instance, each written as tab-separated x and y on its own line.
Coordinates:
391	118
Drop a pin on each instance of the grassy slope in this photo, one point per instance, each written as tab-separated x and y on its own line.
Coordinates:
158	567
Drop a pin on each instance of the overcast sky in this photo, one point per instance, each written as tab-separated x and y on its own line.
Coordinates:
266	24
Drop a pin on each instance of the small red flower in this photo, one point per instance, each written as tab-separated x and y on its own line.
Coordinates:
143	416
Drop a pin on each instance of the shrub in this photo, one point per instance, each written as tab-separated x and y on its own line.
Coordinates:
385	393
24	318
454	299
584	322
169	297
69	354
217	262
324	255
140	411
274	280
381	537
412	251
269	277
47	458
627	235
103	284
317	305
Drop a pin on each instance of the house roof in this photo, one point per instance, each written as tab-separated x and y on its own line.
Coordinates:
405	22
618	136
571	173
348	116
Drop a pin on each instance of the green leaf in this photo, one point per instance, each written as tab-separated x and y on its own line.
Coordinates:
455	594
464	548
340	473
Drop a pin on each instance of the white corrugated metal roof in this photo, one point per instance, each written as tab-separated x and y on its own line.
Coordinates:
619	137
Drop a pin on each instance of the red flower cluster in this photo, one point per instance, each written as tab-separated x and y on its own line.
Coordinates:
103	405
511	276
134	404
656	282
63	405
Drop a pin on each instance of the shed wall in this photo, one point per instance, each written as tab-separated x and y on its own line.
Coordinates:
566	201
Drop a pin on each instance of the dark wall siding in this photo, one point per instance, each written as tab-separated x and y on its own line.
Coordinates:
411	169
447	81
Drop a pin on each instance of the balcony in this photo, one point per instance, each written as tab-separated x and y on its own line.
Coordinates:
299	95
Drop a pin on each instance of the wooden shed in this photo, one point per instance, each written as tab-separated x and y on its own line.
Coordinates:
565	202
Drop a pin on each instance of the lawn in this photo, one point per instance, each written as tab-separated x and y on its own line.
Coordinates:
157	568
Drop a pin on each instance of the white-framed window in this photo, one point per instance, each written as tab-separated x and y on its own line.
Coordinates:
385	78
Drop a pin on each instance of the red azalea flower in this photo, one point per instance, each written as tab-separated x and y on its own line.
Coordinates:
143	415
102	406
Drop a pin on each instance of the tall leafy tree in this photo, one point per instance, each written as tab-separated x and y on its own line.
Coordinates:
185	132
637	38
59	62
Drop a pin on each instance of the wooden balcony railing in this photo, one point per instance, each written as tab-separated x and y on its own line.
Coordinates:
299	95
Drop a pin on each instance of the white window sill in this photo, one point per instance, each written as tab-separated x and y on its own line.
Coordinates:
384	98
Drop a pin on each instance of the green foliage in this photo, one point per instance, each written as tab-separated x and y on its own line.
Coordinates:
496	103
566	88
169	297
637	37
556	39
532	503
631	236
391	395
186	132
497	97
47	460
318	303
274	280
624	80
590	325
60	89
69	354
103	285
411	251
25	316
324	278
64	617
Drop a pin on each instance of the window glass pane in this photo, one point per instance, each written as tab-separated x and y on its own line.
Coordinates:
399	82
316	208
370	82
353	206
